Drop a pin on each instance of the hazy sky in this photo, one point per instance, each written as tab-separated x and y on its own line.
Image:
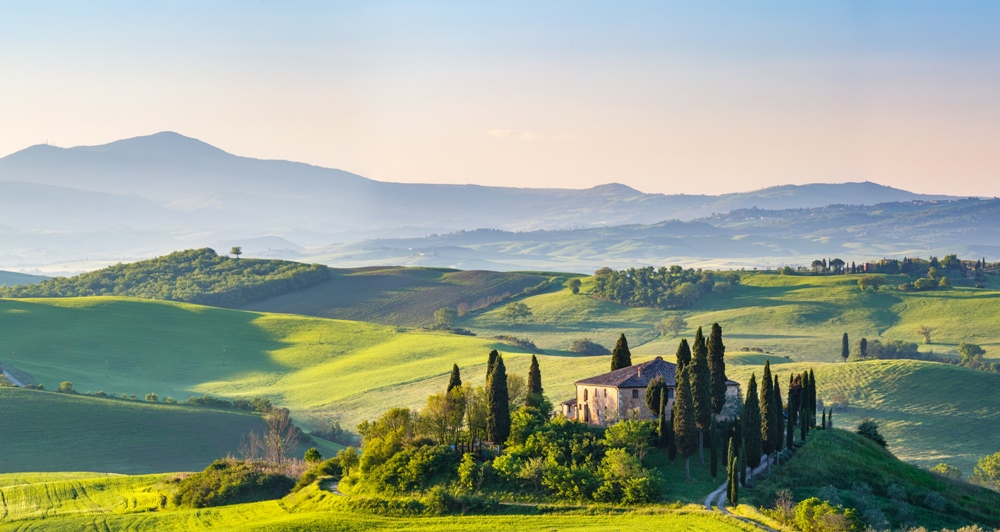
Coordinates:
699	97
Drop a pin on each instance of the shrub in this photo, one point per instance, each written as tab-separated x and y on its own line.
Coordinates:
934	501
925	284
328	468
589	348
814	515
65	387
869	429
312	455
230	482
133	397
830	493
170	400
947	470
414	468
523	343
152	397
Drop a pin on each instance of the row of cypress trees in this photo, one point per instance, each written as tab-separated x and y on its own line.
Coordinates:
767	425
498	396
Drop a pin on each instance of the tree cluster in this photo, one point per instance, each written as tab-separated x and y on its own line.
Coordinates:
195	276
664	288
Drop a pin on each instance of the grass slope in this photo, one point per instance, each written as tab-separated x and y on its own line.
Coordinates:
928	412
123	503
396	296
842	459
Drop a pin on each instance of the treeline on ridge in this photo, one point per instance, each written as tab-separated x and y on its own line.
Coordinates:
666	288
195	276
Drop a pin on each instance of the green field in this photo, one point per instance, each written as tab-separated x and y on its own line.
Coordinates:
45	431
397	296
97	502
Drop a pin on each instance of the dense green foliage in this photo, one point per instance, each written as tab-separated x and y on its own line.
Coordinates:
230	482
717	368
195	276
662	287
621	357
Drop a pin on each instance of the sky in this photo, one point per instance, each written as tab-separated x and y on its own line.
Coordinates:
671	97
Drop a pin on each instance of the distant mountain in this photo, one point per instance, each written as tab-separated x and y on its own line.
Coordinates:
14	278
179	192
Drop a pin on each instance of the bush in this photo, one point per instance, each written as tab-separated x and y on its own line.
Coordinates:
523	343
589	348
869	429
312	455
947	470
337	434
814	515
934	501
328	468
65	387
413	469
227	482
925	284
152	397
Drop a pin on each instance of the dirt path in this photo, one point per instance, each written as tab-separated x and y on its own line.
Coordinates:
718	499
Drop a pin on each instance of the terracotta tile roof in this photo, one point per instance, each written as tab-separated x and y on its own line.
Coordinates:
639	375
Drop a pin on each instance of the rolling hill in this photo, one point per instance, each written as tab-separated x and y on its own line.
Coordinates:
47	431
14	278
399	296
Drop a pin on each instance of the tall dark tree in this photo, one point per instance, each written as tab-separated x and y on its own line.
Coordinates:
685	422
497	404
823	425
671	441
621	357
864	349
656	393
845	348
717	366
794	398
683	355
491	362
535	391
456	378
789	424
713	459
812	395
779	407
733	483
768	417
663	429
751	438
701	388
829	418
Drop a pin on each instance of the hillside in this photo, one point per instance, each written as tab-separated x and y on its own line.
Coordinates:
196	276
46	431
398	296
13	278
845	460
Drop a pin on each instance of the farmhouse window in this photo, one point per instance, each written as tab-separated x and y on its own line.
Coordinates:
635	394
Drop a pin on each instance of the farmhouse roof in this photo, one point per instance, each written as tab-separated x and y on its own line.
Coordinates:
639	375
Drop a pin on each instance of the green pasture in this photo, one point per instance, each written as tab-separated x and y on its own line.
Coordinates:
123	503
46	431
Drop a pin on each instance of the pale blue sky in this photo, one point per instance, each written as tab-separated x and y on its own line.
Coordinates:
664	96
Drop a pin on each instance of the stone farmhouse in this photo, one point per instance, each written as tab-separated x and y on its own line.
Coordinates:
621	394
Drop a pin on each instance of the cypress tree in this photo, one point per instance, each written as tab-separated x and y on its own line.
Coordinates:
823	426
683	355
490	363
768	417
829	418
656	393
790	426
845	348
812	394
621	357
685	423
671	440
701	388
742	465
535	391
751	438
456	378
662	430
717	367
732	479
497	404
780	409
713	459
803	421
864	349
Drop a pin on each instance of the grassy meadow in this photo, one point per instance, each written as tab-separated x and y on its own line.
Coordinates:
103	502
45	431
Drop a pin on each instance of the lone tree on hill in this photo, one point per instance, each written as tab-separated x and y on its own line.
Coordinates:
535	392
236	252
621	357
701	387
456	378
717	367
574	286
497	404
656	393
751	439
445	316
683	354
685	424
845	348
515	312
671	325
925	332
769	434
864	348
